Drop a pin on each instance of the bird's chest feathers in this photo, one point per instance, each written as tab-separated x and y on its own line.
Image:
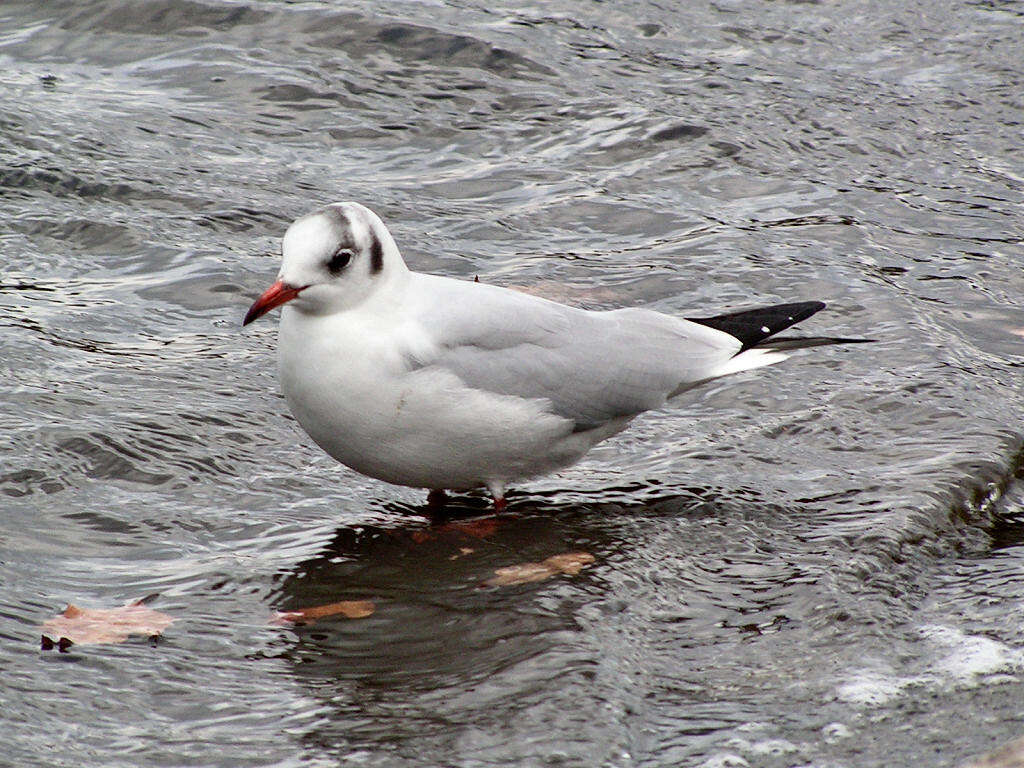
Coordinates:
349	380
375	399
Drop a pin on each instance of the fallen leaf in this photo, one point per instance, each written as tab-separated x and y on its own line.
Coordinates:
568	563
1007	756
86	626
480	528
524	573
350	609
463	551
477	528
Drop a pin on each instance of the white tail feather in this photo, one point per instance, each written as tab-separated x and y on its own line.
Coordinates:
748	360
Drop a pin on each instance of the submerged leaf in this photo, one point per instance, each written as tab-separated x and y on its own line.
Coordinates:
1007	756
85	626
477	528
463	551
568	563
350	609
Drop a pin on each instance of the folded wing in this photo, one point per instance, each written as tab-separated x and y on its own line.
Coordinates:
591	366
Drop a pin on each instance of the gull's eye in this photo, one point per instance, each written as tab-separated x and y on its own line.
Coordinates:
339	261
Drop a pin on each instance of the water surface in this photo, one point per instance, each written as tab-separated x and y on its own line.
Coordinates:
816	564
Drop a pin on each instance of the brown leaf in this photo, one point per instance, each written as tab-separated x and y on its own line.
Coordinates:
1007	756
479	528
350	609
524	573
568	563
463	551
85	626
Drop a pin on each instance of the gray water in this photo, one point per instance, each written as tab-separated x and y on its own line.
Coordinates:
818	564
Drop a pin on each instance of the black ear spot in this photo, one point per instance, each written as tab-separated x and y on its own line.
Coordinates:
376	256
339	261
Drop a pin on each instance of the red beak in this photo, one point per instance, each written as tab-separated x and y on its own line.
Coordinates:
274	296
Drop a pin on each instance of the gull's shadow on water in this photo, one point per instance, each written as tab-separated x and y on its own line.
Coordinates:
440	579
448	647
455	548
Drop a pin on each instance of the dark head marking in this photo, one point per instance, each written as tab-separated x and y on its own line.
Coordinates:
343	231
340	225
335	213
376	254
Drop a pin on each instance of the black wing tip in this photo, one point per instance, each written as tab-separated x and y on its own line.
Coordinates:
798	310
752	326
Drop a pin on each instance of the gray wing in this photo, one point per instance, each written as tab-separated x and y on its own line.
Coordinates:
591	366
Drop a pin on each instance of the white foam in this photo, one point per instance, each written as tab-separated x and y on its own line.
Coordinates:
971	656
725	760
872	688
957	659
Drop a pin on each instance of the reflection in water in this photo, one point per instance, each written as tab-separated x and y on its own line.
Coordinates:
446	658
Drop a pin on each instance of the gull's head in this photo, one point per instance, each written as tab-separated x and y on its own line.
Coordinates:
332	260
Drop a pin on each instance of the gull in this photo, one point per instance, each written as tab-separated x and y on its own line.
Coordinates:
446	384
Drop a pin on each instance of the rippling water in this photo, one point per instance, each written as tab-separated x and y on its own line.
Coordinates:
819	564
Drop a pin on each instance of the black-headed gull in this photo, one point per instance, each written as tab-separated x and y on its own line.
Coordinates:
439	383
